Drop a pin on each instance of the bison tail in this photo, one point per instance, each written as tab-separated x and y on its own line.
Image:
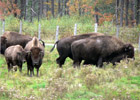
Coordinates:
54	46
43	43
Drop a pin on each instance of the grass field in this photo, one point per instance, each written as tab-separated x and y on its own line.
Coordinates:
120	82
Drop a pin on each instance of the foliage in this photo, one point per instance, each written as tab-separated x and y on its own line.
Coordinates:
66	28
8	7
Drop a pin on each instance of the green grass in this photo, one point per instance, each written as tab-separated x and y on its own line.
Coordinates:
111	82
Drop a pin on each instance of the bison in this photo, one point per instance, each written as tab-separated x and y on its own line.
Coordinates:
35	54
14	38
3	42
64	46
15	55
100	49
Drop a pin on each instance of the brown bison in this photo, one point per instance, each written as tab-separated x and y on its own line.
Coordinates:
15	55
14	38
100	49
3	42
35	54
64	46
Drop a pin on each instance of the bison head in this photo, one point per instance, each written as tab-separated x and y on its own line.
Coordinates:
129	50
3	42
21	56
36	55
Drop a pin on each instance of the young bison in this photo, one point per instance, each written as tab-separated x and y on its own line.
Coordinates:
15	55
35	54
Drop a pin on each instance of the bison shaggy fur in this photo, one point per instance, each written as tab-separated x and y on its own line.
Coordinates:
35	54
15	55
100	49
64	46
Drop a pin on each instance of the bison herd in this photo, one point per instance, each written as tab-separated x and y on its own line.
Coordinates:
93	48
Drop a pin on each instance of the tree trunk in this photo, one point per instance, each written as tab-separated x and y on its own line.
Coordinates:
121	14
138	12
31	16
132	12
38	10
15	14
47	7
117	11
79	8
26	9
59	8
66	8
96	15
126	12
22	9
41	7
52	10
63	7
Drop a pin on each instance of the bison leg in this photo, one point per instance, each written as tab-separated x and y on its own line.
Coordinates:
61	60
77	63
9	67
100	62
28	69
37	72
31	71
20	68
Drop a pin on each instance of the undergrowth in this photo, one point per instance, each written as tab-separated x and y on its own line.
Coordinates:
121	81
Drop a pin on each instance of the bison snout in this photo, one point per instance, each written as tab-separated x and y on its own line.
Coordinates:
35	63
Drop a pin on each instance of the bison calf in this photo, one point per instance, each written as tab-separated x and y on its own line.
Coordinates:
35	54
100	49
15	55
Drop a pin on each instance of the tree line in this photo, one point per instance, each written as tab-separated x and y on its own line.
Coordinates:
122	12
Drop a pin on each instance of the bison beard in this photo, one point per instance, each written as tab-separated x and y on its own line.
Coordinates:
35	54
64	46
100	49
